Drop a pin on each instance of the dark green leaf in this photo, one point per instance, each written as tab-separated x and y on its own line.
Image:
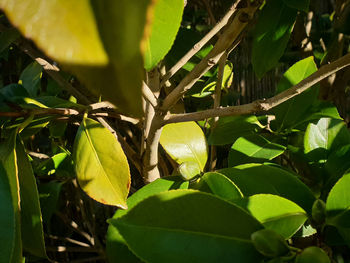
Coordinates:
7	38
253	149
258	178
49	195
302	5
271	35
228	129
269	243
312	255
30	78
188	226
32	229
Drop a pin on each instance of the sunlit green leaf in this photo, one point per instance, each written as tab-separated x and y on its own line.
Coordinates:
185	142
116	247
178	233
274	212
253	148
166	19
32	229
100	163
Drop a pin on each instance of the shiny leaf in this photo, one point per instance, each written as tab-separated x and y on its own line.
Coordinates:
169	227
185	142
166	19
100	163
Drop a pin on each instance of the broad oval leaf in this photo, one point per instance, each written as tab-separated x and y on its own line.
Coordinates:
219	185
259	179
293	111
117	250
338	203
185	142
166	20
229	129
32	228
253	149
274	212
311	255
324	136
100	163
189	226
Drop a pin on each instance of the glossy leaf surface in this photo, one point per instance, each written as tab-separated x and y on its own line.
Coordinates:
253	148
185	142
117	249
32	228
258	179
274	212
228	129
271	35
219	185
172	229
167	16
100	163
292	111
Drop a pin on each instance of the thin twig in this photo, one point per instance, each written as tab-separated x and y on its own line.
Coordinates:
198	46
266	104
230	35
67	239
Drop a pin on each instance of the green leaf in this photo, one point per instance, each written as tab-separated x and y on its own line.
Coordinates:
185	142
258	179
7	38
253	148
269	243
49	195
271	35
219	185
188	170
337	164
7	221
31	77
311	255
338	203
169	227
166	20
104	39
32	228
274	212
292	111
117	250
100	163
319	212
8	159
323	137
229	129
302	5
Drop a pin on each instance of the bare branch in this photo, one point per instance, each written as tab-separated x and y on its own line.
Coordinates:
266	104
200	44
239	22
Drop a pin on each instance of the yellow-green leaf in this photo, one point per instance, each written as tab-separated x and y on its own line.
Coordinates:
100	163
185	142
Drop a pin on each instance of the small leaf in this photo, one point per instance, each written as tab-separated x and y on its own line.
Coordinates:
323	137
100	163
292	111
185	142
269	243
188	226
258	179
31	77
189	170
116	247
274	212
271	35
32	228
338	203
312	255
253	148
228	129
166	20
219	185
